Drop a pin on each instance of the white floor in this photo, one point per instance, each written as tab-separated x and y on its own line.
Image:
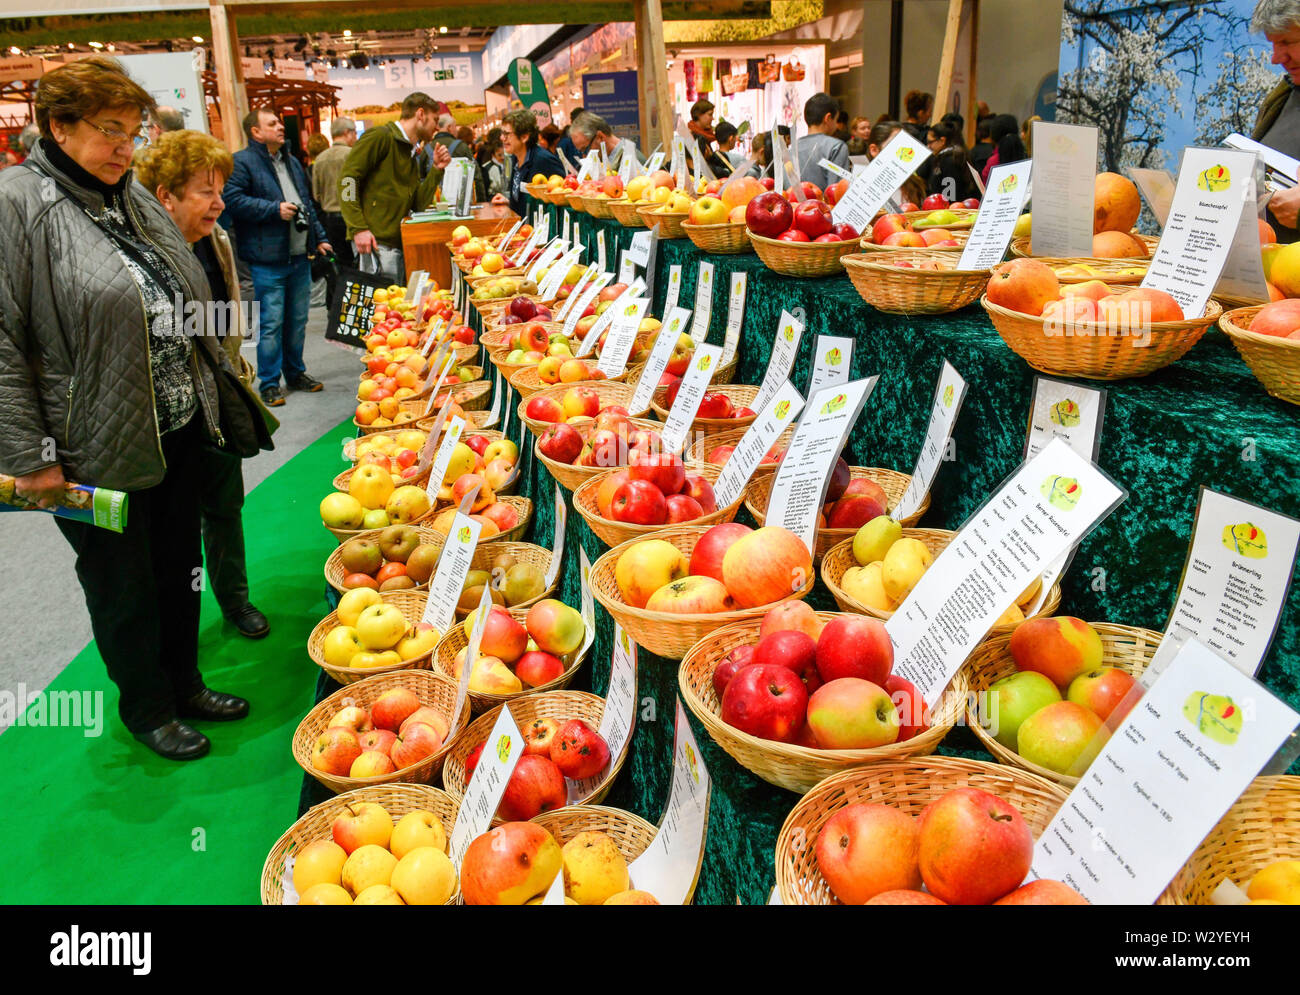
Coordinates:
43	620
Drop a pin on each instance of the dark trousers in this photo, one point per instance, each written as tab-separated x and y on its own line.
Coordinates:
337	230
142	587
221	500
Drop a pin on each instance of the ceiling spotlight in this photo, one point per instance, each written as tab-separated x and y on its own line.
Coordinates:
347	32
442	30
95	44
71	46
112	47
197	39
15	50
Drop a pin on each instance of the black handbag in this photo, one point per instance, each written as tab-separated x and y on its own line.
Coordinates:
243	421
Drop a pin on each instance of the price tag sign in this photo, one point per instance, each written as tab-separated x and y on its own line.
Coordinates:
703	302
704	363
1243	273
601	264
435	333
669	865
735	315
839	171
416	284
1179	760
679	163
433	394
832	361
1157	186
498	391
552	252
619	716
757	441
505	241
557	540
639	249
996	221
779	156
674	287
587	604
505	745
660	353
566	232
449	577
898	160
655	163
784	349
584	301
1043	510
602	321
457	287
450	439
1065	162
550	287
626	268
948	397
1236	579
577	232
588	275
471	655
622	335
799	490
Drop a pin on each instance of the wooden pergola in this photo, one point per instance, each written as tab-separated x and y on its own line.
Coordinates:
303	98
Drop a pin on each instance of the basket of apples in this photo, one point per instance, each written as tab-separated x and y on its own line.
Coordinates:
716	222
1051	691
892	232
373	633
552	370
522	650
487	457
590	846
400	557
501	518
1268	339
514	573
473	396
604	190
572	763
676	586
385	845
627	212
914	281
722	407
656	489
573	454
1089	330
373	501
873	572
962	830
398	448
856	495
716	448
563	404
797	237
796	695
937	211
385	728
668	213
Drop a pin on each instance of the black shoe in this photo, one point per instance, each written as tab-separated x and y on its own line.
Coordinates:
214	706
176	741
306	384
272	397
250	622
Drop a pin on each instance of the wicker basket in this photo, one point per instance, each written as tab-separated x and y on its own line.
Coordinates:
576	201
1263	826
456	639
1021	247
907	290
527	382
397	799
742	396
343	535
669	222
523	507
1087	349
839	558
1274	361
342	480
472	396
759	491
698	450
411	604
809	259
433	689
1123	647
560	195
907	785
609	393
334	572
474	421
669	634
561	705
869	247
350	445
1113	271
426	388
612	533
630	833
394	426
571	476
524	552
728	239
786	765
627	213
597	207
965	218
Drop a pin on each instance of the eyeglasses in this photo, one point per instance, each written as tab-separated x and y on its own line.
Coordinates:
138	138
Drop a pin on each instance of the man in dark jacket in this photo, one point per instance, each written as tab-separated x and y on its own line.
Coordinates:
1278	123
268	198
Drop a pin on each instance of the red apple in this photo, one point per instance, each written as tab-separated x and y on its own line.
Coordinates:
393	707
665	470
561	443
935	202
1044	891
811	191
840	478
864	850
855	646
579	751
793	650
546	409
793	235
741	656
503	636
974	847
888	225
768	702
852	511
536	786
714	404
682	508
377	740
710	548
830	236
609	485
768	214
1101	691
471	761
539	734
852	714
798	616
537	668
846	232
417	741
913	716
702	491
638	502
813	218
766	566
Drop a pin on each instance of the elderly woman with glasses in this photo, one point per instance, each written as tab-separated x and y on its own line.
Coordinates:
107	379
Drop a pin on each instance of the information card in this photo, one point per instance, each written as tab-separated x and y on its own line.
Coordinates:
579	288
622	335
453	566
704	363
588	295
998	214
948	397
757	441
674	287
735	314
703	303
898	160
832	361
785	347
1157	186
450	439
1065	163
601	257
799	490
660	353
505	745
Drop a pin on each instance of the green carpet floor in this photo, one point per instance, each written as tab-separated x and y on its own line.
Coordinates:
105	821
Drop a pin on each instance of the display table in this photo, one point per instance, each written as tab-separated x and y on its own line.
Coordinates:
1203	421
424	243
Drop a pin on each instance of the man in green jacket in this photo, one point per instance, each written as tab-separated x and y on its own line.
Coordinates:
381	183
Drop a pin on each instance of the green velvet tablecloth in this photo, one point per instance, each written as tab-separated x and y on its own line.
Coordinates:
1203	421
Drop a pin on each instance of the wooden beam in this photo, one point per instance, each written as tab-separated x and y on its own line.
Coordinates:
947	58
231	94
652	60
641	39
960	44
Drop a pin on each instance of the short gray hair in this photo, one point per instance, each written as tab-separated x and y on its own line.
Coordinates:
445	121
27	138
341	126
589	124
1275	17
170	119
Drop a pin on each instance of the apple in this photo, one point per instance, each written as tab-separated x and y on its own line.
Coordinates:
319	862
811	191
1102	691
1024	285
609	485
471	761
768	702
793	235
351	717
1013	699
846	232
864	850
335	750
509	865
690	596
768	215
1063	737
663	469
913	715
813	218
798	616
539	734
889	225
361	824
701	490
381	740
639	502
371	763
714	404
710	548
855	646
1044	891
536	786
429	716
579	751
974	847
555	627
852	714
741	656
765	566
547	409
794	650
935	202
646	566
708	210
537	668
417	741
828	237
682	508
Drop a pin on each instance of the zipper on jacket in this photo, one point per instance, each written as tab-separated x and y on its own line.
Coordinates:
67	419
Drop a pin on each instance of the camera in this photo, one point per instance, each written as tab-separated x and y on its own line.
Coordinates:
299	220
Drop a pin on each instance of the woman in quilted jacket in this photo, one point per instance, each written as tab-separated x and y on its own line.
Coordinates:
104	381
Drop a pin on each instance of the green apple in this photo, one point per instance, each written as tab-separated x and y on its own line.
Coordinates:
375	518
1014	699
874	539
1063	737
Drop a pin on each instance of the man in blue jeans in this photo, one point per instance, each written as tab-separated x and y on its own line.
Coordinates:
268	199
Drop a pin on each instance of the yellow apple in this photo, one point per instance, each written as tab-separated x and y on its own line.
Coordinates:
492	676
354	602
343	511
594	869
425	876
417	643
367	866
319	862
342	645
325	894
381	626
379	894
417	829
370	485
708	211
406	504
